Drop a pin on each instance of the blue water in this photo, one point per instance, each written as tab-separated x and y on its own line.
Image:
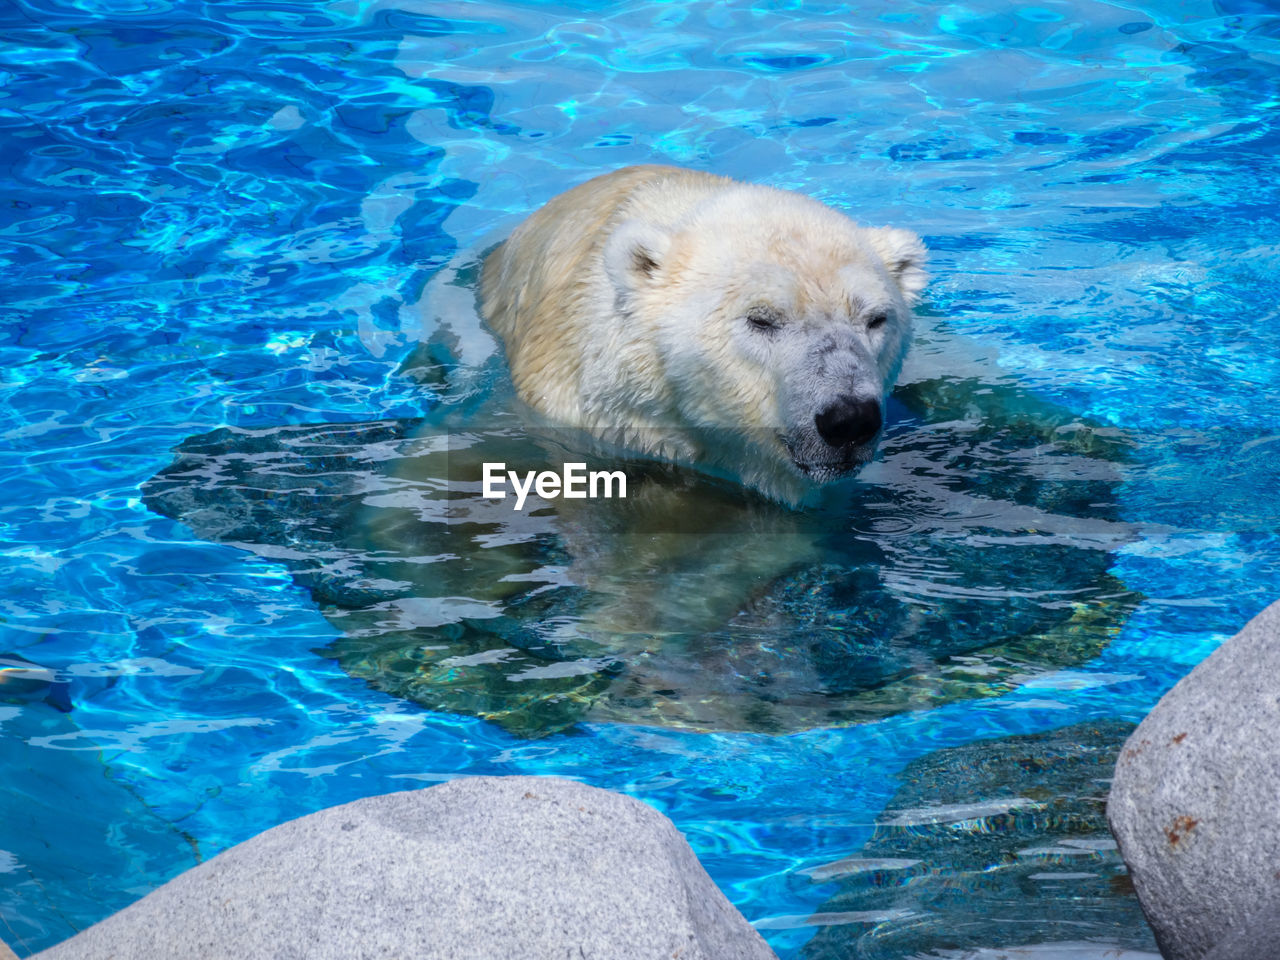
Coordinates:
226	214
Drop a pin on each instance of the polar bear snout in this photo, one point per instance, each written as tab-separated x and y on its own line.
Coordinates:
849	421
836	441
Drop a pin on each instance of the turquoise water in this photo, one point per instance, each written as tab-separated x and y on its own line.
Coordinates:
226	214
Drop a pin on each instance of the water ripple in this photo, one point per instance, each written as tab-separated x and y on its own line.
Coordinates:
224	214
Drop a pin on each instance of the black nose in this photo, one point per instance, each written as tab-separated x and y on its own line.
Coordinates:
849	421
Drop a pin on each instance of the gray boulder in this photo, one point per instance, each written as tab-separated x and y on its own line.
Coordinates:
1195	804
482	867
1258	938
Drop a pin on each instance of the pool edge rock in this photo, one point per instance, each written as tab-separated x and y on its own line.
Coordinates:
479	867
1192	805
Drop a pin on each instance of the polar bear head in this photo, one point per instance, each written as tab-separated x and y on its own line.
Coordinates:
778	324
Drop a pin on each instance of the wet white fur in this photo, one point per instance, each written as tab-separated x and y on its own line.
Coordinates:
623	306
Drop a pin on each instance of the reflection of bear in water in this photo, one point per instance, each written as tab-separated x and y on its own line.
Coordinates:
973	556
730	325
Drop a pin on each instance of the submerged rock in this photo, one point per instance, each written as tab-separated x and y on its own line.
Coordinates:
24	680
523	868
1193	804
1063	950
971	558
995	844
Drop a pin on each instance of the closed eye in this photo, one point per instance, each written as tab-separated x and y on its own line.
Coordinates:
877	320
763	319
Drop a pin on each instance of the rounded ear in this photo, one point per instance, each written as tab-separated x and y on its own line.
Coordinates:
904	255
633	254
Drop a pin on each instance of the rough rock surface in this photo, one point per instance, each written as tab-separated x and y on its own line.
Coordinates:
1258	936
482	867
1194	802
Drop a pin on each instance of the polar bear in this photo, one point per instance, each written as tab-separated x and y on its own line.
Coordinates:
747	330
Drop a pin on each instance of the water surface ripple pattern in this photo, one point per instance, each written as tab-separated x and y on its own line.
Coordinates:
223	214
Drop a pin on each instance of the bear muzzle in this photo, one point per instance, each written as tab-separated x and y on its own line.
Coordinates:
849	422
840	441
